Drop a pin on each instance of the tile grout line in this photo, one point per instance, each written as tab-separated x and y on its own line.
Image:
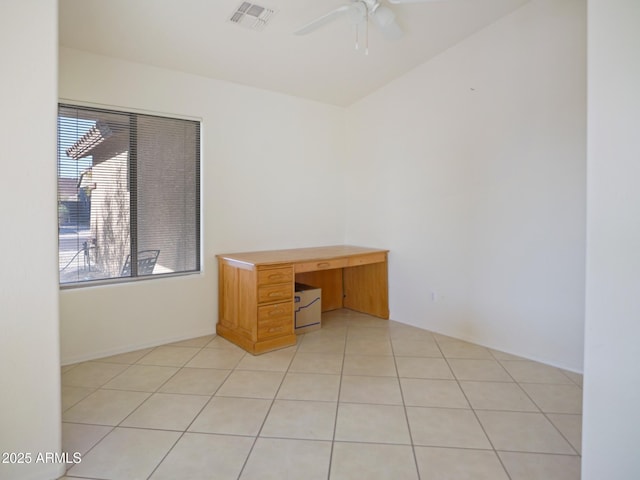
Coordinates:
273	400
96	444
158	387
81	399
475	414
182	434
155	391
119	425
113	427
335	420
541	410
404	408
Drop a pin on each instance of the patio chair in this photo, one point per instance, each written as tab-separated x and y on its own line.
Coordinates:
146	263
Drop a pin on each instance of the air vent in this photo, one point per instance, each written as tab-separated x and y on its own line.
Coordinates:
252	16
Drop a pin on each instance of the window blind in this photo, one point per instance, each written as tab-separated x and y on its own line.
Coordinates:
128	195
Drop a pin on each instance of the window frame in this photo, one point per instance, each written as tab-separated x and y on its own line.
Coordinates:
132	181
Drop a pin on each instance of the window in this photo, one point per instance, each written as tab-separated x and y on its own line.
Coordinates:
128	195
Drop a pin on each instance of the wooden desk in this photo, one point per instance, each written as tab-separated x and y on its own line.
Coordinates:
255	290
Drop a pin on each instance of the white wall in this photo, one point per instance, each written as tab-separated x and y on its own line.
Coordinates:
471	170
612	377
272	177
29	353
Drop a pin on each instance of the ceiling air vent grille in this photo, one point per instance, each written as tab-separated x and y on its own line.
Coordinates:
252	16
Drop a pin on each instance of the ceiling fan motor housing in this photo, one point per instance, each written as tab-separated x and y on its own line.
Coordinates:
360	11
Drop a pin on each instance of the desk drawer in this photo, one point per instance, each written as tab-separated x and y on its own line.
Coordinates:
274	293
275	275
377	257
275	320
321	265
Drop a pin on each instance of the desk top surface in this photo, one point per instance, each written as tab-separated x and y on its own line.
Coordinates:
296	255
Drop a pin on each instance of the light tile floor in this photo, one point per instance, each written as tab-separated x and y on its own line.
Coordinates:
360	398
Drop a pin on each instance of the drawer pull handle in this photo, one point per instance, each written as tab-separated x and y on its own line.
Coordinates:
273	313
275	294
276	276
324	264
275	329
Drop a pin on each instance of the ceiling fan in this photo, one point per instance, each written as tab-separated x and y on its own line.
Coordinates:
359	12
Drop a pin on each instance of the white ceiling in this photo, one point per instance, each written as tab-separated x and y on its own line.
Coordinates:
195	36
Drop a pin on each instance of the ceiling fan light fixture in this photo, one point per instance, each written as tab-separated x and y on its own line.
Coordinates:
359	12
383	16
385	20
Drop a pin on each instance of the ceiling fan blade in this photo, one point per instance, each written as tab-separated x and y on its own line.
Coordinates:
323	20
385	20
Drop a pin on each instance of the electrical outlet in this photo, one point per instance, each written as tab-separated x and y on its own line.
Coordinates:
436	296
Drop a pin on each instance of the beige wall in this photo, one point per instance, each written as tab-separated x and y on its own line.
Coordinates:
471	170
29	341
272	177
612	377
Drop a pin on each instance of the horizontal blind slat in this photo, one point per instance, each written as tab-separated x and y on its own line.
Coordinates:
112	199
